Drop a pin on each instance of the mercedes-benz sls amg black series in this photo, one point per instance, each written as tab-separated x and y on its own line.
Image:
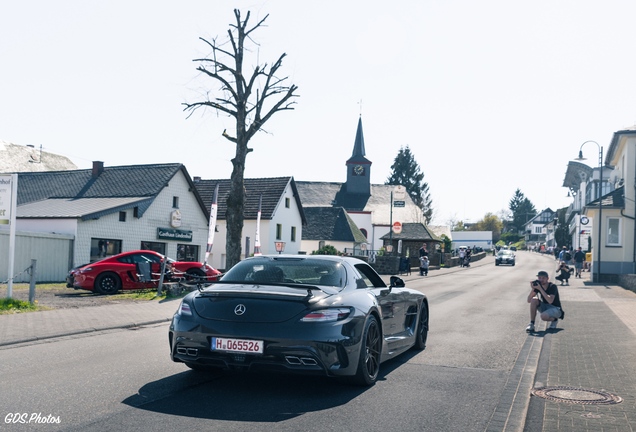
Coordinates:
309	314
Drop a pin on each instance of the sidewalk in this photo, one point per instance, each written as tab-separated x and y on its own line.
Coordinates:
588	363
34	326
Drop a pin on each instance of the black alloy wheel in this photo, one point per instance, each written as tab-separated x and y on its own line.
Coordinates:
370	349
107	283
422	328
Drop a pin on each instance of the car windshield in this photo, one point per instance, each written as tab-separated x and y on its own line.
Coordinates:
505	252
287	271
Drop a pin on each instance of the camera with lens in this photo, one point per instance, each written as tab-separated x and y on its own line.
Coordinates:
535	284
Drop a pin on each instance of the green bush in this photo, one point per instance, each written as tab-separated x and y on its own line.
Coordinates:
326	250
10	305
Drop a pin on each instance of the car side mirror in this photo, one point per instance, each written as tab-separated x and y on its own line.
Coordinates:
397	282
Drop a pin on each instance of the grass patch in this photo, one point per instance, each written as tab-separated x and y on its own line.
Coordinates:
10	306
138	295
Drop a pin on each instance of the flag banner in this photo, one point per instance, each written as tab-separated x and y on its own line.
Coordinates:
213	209
257	236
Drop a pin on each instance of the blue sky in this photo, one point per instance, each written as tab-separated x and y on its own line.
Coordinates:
490	96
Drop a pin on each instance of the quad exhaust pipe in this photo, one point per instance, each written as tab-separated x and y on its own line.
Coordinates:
188	351
297	361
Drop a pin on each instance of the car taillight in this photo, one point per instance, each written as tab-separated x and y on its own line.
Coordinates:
326	315
184	309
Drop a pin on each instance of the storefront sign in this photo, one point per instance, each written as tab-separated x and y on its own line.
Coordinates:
5	199
174	234
175	219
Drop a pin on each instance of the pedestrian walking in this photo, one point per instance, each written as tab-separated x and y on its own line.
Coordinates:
544	297
579	257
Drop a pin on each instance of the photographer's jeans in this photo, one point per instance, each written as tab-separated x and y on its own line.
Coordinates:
550	311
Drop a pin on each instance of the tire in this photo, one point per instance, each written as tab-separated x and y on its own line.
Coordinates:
422	329
370	351
107	283
496	263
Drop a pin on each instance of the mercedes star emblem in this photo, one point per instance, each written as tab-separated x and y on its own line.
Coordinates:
239	309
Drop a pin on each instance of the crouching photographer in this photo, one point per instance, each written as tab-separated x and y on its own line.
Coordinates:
544	297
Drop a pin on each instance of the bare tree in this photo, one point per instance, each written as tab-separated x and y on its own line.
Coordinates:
250	101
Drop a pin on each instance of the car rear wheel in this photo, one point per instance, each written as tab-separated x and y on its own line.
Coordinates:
107	283
422	328
371	346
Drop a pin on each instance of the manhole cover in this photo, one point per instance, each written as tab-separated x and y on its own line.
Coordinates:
576	395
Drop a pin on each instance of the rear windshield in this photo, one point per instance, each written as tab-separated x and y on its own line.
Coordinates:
283	271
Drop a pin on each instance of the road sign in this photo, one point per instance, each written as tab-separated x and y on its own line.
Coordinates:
397	227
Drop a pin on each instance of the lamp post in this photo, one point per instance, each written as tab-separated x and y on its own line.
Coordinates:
600	207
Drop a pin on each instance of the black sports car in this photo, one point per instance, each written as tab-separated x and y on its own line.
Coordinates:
310	314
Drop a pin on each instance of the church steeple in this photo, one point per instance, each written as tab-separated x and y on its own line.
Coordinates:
358	146
358	167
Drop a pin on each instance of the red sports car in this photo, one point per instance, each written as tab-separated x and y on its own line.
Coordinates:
138	269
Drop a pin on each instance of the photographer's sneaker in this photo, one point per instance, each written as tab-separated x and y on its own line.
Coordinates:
553	325
530	328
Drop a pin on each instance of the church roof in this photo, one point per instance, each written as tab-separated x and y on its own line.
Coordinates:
325	194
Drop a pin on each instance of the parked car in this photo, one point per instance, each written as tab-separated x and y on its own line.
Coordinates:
505	256
137	269
70	276
310	314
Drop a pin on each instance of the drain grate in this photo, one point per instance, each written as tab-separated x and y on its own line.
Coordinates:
576	395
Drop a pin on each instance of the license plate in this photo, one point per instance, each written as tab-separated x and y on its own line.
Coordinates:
236	345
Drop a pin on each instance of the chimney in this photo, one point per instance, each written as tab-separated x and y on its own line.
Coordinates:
98	168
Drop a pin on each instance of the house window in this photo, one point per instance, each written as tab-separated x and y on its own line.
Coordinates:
154	246
187	252
538	229
175	202
122	216
136	212
364	231
613	232
279	231
286	202
101	247
293	234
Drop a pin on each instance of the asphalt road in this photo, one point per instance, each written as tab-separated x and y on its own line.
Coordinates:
124	379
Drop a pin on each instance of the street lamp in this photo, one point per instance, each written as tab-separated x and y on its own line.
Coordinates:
280	246
600	207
